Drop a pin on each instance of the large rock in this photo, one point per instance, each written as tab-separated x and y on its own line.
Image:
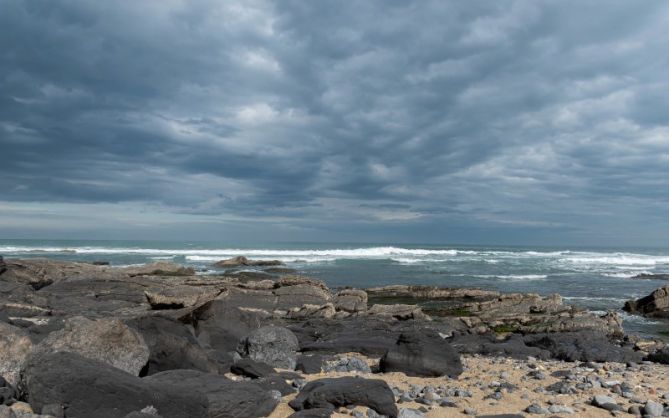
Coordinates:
222	322
351	300
90	388
422	354
251	368
171	346
276	346
583	346
243	261
15	345
226	399
333	393
655	305
177	297
399	311
3	265
42	272
159	268
108	340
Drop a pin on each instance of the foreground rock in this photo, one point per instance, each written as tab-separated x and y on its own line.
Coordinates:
90	388
655	305
106	340
421	354
15	345
332	393
226	399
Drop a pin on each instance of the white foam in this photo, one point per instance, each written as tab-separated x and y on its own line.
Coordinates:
511	277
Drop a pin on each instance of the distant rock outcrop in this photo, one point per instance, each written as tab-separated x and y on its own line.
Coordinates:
655	305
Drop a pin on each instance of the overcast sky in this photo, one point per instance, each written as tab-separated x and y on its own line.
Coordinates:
537	122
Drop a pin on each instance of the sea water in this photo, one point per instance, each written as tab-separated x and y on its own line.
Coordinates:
598	279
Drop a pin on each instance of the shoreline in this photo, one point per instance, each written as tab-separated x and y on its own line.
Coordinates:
272	332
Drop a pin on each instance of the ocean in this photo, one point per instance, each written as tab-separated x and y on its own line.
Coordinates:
598	279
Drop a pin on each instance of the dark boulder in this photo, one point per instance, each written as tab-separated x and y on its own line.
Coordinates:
364	336
276	346
583	346
251	368
310	363
226	399
3	265
221	323
90	388
171	346
490	345
422	354
333	393
276	382
660	356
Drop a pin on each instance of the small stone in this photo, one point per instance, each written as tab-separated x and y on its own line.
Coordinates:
410	413
560	409
470	411
536	409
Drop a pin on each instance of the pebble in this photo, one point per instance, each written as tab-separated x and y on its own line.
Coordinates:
410	413
536	409
560	409
470	411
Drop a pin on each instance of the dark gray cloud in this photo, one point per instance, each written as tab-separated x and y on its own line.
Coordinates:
421	121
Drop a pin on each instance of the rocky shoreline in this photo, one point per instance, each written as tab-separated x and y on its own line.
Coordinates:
93	340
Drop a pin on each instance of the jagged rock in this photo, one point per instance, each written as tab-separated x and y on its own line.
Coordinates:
419	292
92	388
159	268
251	368
226	399
332	393
313	311
422	354
295	280
276	346
15	345
351	300
655	305
177	297
299	295
243	261
171	346
400	312
107	340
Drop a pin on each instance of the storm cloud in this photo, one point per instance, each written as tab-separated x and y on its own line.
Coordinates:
426	121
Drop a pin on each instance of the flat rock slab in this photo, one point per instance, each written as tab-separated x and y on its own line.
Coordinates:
227	399
333	393
90	388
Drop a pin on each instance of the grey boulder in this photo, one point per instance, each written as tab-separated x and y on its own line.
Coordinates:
276	346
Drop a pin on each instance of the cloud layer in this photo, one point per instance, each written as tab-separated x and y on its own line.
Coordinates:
506	121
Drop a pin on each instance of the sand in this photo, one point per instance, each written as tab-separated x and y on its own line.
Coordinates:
649	382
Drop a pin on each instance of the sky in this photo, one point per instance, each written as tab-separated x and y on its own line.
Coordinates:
489	122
